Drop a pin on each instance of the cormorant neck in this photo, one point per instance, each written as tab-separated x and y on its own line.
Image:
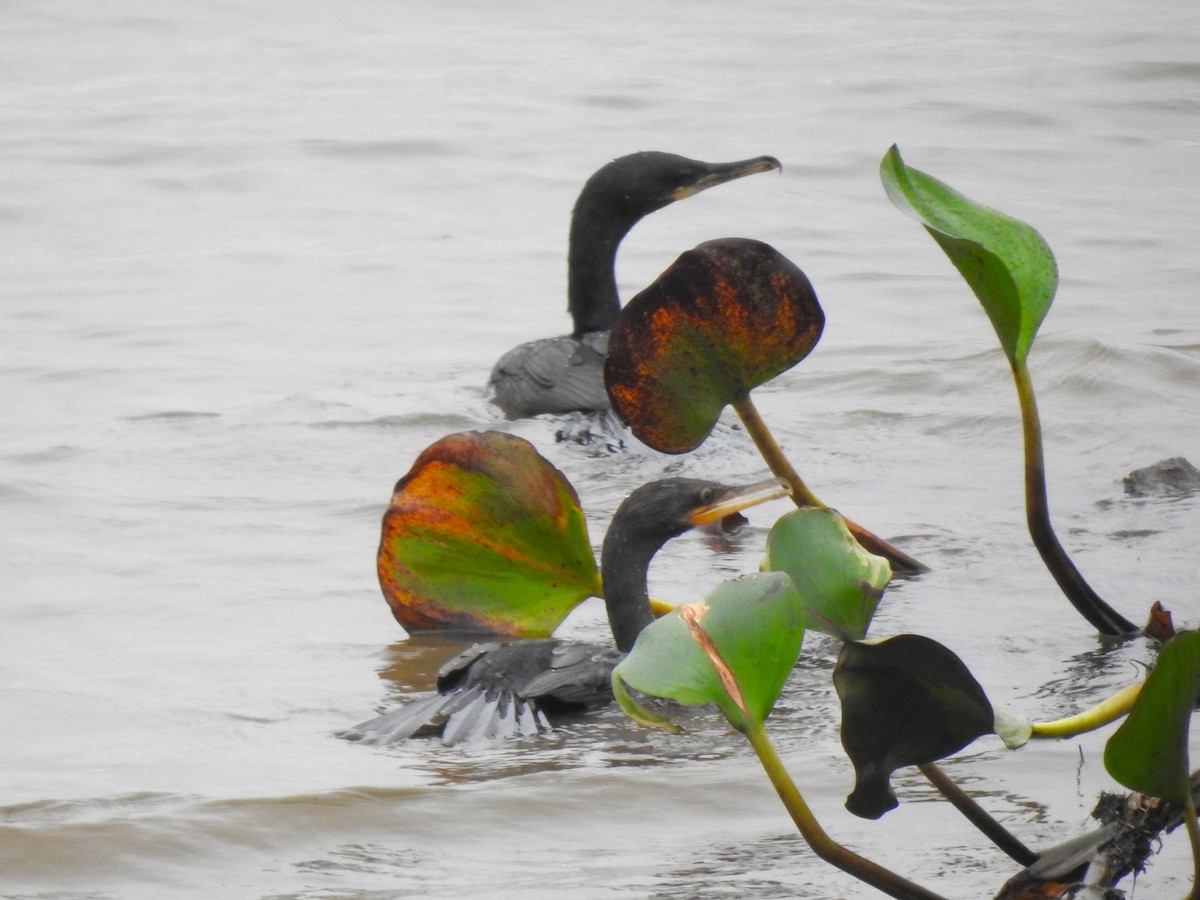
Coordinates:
624	569
592	297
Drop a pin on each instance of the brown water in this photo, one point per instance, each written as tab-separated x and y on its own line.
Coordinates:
255	257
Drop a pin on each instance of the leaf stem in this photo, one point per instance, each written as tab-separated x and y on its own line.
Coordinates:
824	846
771	452
977	815
1102	617
1090	719
779	464
1193	830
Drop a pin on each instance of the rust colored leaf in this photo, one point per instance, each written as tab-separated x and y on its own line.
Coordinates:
726	316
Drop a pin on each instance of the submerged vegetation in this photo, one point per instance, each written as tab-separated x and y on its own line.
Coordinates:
484	534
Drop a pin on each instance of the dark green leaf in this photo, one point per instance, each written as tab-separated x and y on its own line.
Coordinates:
905	701
1149	752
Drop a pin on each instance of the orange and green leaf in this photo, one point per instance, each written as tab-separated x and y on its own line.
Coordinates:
483	534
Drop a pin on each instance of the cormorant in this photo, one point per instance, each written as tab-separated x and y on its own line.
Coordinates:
566	374
505	689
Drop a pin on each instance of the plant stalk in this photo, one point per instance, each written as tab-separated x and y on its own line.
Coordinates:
1102	617
1193	830
824	846
771	452
1090	719
778	463
977	815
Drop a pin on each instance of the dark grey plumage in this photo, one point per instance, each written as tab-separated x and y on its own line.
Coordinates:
500	690
511	688
566	374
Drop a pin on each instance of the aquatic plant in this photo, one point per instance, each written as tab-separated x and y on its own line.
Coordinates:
1149	752
841	581
724	318
736	647
1011	270
906	701
479	513
484	535
700	338
712	651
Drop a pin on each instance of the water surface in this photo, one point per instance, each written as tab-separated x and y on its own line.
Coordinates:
255	257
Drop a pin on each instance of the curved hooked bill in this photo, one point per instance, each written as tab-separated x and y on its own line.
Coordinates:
723	172
736	499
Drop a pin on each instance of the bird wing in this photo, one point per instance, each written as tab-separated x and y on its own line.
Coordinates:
462	715
493	715
578	675
498	690
553	375
457	667
417	717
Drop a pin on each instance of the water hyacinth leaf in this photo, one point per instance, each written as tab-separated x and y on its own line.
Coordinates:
725	317
1012	271
839	581
734	648
1007	263
484	534
1149	752
907	700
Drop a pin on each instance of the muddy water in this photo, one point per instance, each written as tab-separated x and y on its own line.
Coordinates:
255	257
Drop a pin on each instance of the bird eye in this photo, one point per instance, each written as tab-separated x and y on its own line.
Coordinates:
707	495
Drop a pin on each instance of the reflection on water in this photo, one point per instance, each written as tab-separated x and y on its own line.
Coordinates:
256	257
412	664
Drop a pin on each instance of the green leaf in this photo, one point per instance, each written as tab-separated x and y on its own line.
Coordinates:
905	701
734	648
1007	263
726	317
1149	752
483	534
839	581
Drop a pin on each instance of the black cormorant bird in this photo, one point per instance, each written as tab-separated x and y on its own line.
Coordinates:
566	374
505	689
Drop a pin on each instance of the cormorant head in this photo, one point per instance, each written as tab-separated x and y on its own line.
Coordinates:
651	516
612	201
664	509
640	183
